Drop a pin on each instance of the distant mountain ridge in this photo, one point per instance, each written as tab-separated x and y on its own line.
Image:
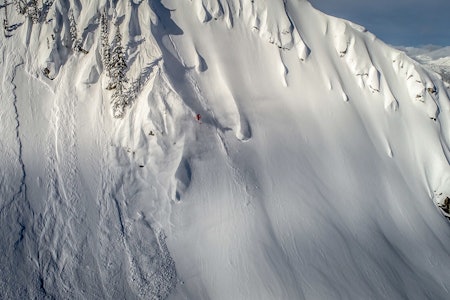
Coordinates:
437	58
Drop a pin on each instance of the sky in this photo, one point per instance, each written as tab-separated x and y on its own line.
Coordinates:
397	22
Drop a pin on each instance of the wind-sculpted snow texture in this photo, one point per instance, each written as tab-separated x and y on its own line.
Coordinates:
266	151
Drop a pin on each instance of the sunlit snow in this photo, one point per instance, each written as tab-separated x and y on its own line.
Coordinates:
266	151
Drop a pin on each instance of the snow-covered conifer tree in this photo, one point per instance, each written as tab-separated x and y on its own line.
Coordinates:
118	63
20	6
5	21
46	4
119	101
33	11
118	76
106	54
76	44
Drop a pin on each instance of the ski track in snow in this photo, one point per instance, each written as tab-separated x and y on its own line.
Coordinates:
70	254
63	214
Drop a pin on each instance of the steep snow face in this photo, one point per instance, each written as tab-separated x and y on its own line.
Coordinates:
75	223
266	151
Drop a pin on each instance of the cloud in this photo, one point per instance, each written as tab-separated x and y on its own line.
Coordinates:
406	22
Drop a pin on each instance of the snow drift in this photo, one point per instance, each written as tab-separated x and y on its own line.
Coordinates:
312	172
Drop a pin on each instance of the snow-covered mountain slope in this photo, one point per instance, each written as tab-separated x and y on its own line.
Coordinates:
435	58
266	151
